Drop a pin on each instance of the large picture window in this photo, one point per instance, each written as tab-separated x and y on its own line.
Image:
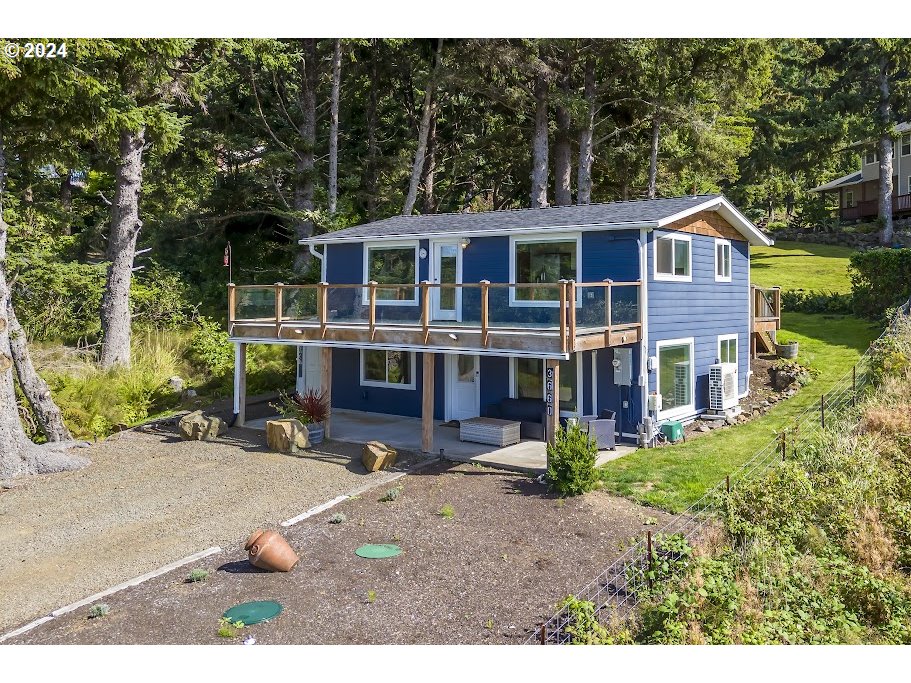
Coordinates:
675	376
394	369
722	261
542	261
672	258
528	382
392	265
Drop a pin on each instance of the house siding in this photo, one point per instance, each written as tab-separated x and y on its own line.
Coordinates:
702	309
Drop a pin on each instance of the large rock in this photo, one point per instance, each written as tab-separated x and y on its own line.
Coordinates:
377	456
198	427
287	435
176	384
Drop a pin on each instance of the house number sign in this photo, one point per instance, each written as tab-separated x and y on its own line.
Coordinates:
549	387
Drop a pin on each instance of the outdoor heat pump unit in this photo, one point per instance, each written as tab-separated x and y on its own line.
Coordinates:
722	387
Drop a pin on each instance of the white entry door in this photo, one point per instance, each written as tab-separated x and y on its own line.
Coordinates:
463	387
447	269
309	369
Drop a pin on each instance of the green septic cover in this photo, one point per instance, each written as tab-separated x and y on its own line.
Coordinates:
254	612
377	551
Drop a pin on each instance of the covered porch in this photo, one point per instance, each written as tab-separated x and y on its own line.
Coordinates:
406	433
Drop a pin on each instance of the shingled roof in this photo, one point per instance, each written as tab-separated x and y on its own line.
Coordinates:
631	214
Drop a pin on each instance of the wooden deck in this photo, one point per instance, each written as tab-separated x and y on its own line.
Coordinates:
765	317
594	315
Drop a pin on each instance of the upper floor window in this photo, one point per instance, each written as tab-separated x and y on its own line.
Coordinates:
542	260
392	264
673	258
906	145
722	260
871	157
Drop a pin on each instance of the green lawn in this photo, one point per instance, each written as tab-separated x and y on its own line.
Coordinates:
673	477
798	265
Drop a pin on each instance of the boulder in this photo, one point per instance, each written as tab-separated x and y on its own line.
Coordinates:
176	384
377	456
287	435
198	427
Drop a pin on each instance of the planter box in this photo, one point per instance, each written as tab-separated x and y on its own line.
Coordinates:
788	351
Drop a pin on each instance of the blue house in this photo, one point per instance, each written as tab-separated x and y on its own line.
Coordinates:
624	307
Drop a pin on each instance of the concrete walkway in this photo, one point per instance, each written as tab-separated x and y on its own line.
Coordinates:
405	433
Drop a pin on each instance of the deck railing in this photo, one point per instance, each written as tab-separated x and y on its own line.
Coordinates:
868	208
766	304
566	308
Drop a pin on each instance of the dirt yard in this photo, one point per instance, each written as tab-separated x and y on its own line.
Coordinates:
488	574
149	499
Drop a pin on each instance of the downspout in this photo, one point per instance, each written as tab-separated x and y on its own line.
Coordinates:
643	318
322	261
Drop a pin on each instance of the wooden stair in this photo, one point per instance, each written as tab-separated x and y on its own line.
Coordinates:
763	343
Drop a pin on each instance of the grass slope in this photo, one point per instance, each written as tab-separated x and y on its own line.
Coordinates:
798	265
673	477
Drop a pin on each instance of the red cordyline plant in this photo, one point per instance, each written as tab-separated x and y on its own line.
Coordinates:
312	404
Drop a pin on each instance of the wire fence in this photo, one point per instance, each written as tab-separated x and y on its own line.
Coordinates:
616	591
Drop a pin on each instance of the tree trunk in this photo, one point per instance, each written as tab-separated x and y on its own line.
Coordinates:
36	390
417	167
539	146
372	174
887	233
653	156
18	455
333	125
427	180
586	139
66	200
563	191
125	227
303	168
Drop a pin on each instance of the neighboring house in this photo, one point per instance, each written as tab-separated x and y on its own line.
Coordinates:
441	316
858	192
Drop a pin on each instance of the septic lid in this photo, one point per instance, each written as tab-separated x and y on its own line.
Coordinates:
375	551
254	612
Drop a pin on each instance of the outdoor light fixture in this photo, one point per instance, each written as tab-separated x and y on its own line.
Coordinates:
452	336
465	241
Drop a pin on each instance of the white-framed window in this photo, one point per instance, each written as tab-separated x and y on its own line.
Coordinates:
849	198
526	380
722	260
871	157
392	263
676	377
906	144
674	258
543	260
390	369
727	348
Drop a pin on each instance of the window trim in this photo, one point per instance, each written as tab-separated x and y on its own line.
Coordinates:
724	242
525	239
388	385
901	144
875	156
666	277
729	337
849	199
580	385
690	407
416	245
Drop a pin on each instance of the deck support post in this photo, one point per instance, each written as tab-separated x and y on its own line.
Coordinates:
326	384
427	403
552	398
240	384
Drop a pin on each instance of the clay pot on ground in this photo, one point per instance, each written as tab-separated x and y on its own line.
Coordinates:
269	550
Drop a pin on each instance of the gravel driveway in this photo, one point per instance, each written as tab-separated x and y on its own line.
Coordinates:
149	499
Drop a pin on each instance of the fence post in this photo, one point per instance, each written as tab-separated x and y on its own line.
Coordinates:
822	411
727	483
784	445
648	541
853	385
544	634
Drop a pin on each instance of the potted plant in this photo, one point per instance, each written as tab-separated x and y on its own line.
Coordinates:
310	408
785	348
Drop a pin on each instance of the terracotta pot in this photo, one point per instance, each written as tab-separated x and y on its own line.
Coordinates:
269	550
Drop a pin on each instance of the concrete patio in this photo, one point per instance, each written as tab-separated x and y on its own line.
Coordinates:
405	433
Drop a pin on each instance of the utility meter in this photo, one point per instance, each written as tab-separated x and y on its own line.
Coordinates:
623	367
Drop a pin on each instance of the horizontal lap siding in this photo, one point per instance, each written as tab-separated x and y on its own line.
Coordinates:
702	309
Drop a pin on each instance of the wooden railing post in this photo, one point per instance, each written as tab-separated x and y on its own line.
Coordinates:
371	316
777	308
279	308
563	343
232	302
485	311
572	315
425	309
322	305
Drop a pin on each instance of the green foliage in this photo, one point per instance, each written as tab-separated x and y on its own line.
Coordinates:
447	511
338	518
571	462
210	347
391	495
197	576
880	278
817	302
371	596
228	628
99	610
583	627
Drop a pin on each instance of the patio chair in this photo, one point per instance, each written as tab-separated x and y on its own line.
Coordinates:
602	431
608	415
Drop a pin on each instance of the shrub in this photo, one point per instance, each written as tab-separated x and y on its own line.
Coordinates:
228	628
816	302
198	576
583	627
880	278
447	511
391	495
98	610
309	408
571	462
338	518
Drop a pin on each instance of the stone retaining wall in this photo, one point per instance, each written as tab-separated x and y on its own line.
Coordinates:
856	240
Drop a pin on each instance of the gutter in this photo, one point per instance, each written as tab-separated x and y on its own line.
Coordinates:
321	257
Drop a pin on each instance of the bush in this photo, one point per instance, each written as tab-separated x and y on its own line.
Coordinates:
571	462
879	279
817	302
